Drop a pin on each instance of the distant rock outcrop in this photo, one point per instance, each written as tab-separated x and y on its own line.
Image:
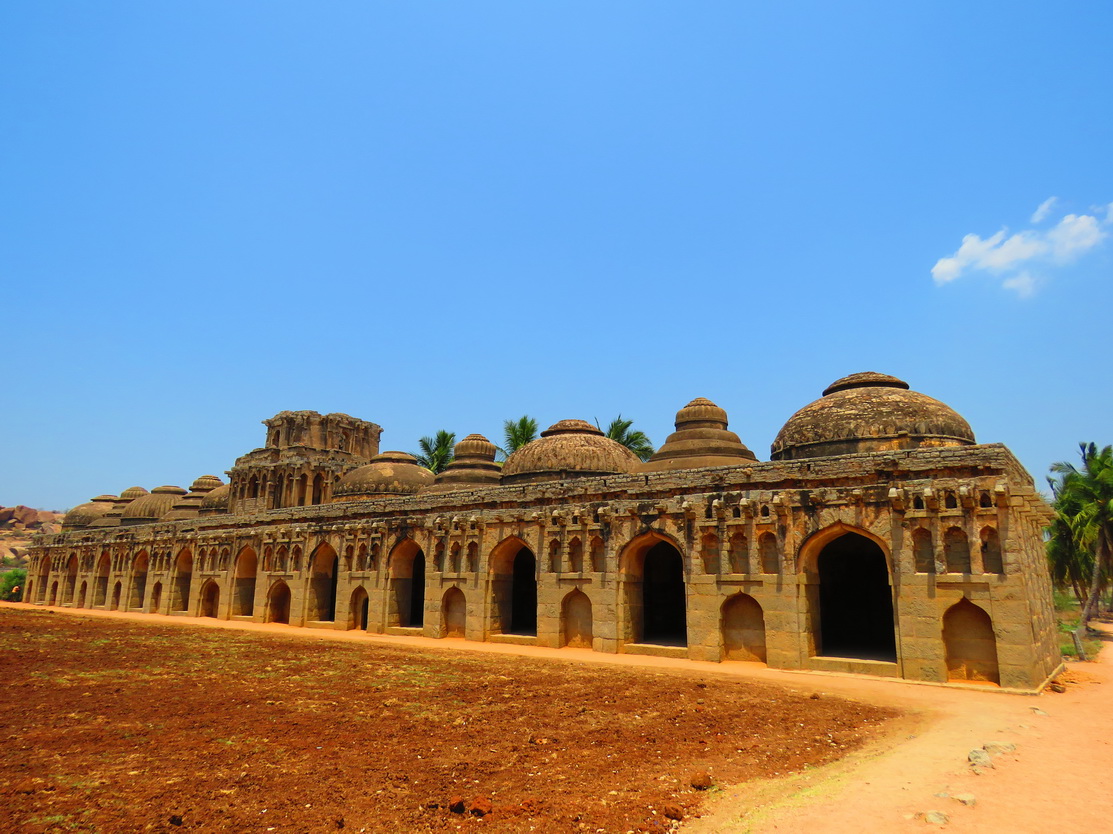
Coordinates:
17	525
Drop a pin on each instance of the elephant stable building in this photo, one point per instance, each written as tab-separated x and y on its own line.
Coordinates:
880	539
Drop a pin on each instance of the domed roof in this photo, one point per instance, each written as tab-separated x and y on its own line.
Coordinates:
189	506
85	514
701	439
216	501
869	412
112	517
391	473
570	448
473	465
152	507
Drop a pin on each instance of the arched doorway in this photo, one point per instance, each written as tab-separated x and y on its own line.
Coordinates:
358	609
855	600
575	619
514	588
407	584
100	580
243	590
81	594
71	580
278	603
743	628
322	584
156	597
455	613
54	592
183	576
651	570
210	599
117	592
970	644
139	579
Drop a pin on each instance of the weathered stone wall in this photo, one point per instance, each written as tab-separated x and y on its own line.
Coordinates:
758	529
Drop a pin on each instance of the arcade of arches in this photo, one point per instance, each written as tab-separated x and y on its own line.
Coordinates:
879	556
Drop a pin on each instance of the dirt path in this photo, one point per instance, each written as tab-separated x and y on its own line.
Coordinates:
1054	779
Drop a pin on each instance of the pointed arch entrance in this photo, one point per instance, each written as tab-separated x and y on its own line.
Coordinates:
100	580
322	584
853	606
575	621
514	588
278	603
243	591
210	599
653	573
406	604
71	580
139	579
183	577
454	613
970	644
359	609
743	629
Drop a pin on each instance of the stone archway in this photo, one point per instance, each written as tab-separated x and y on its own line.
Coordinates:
139	579
575	621
324	577
652	571
278	603
743	627
853	607
970	644
81	594
117	592
243	593
454	613
100	580
514	588
210	599
156	597
358	609
183	576
70	591
407	585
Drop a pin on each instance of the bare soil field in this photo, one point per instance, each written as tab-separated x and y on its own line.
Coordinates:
113	725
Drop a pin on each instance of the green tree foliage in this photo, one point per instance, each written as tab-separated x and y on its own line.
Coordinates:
436	452
10	580
636	441
1082	533
516	434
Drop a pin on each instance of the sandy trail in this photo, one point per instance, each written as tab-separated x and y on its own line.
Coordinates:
1054	779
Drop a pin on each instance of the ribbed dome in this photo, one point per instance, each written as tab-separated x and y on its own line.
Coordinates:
473	465
869	412
85	514
570	448
189	506
113	516
391	473
152	507
701	439
216	502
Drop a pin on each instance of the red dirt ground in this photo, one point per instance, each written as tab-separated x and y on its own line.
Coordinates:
113	725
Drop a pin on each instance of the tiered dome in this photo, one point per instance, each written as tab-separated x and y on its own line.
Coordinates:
216	501
152	507
701	439
189	506
568	449
112	517
391	473
869	412
473	465
85	514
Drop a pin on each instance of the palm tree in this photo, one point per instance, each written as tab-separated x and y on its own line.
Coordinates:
1085	501
635	441
436	452
517	433
1070	565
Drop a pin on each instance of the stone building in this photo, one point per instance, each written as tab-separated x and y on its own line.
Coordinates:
880	539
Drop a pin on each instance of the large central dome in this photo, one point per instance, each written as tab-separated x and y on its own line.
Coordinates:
568	449
869	412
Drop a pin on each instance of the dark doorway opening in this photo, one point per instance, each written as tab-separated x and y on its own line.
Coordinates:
523	598
855	601
415	616
663	605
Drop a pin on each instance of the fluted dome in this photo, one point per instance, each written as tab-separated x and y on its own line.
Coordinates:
189	506
113	516
473	465
391	473
152	507
85	514
869	412
701	439
216	501
568	449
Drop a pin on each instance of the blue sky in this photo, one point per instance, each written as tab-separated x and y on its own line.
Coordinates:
436	215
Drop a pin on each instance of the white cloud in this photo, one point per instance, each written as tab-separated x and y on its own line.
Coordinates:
1045	208
1013	256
